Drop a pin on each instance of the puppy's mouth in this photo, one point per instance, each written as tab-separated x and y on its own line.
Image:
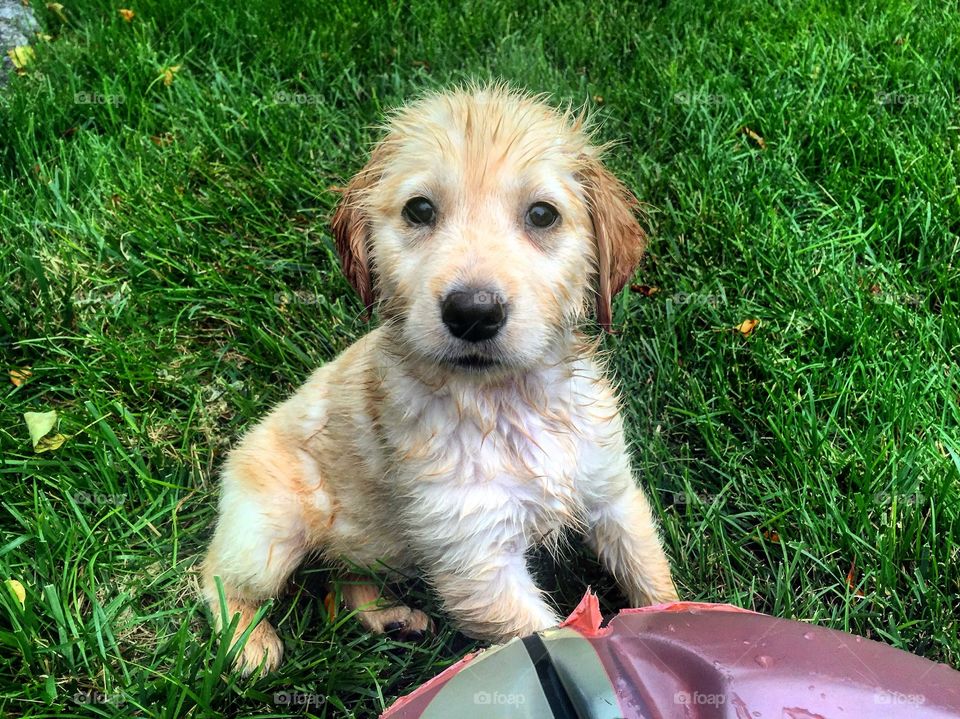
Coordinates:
473	362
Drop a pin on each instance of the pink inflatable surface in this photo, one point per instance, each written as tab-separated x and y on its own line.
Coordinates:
689	661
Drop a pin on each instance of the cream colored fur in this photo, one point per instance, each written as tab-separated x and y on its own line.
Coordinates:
391	456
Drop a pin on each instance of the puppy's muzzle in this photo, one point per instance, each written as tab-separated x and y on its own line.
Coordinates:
473	315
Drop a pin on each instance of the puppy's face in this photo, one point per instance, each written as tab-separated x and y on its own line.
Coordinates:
485	226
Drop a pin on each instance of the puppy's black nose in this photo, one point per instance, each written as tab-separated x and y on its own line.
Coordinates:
473	315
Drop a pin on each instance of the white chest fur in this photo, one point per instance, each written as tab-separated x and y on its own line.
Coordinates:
501	460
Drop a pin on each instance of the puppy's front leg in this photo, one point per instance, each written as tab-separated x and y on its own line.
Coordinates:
260	539
488	590
623	533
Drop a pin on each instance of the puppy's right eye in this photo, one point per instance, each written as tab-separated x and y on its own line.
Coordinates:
419	211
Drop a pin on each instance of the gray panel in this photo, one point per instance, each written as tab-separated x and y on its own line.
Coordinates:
501	683
582	674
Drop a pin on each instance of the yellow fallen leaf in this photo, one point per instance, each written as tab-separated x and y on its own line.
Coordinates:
126	14
19	376
57	9
168	73
761	143
50	443
18	591
747	327
41	426
21	56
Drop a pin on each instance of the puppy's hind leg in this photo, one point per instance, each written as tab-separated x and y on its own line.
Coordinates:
382	614
259	541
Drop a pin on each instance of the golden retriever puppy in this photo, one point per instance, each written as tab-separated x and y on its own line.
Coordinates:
476	420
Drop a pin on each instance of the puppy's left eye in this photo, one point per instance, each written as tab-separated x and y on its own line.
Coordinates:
542	215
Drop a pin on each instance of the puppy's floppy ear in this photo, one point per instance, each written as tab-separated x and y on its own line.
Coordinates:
351	230
620	239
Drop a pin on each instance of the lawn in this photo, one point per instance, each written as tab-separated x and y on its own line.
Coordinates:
167	273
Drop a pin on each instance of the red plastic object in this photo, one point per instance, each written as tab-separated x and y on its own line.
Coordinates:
689	661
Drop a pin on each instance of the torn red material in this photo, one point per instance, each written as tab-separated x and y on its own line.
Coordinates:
586	618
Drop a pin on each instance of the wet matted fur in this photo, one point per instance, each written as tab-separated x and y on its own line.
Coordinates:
425	449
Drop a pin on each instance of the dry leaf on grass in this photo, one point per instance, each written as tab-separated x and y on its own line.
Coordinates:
126	14
645	290
19	376
21	56
761	143
330	602
747	327
168	73
18	591
42	429
57	9
852	579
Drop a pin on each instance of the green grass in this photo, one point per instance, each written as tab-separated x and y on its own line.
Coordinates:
167	272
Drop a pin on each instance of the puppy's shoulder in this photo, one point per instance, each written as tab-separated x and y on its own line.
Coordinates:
332	387
590	377
595	399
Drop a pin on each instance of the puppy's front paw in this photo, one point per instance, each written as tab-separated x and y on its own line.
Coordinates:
670	595
262	652
662	594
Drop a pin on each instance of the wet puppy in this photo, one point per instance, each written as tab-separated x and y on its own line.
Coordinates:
476	420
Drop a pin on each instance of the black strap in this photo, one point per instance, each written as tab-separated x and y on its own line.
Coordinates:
560	703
